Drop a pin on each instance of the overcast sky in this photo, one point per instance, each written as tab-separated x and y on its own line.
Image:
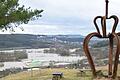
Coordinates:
67	16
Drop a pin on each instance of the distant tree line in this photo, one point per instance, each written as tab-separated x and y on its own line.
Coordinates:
61	51
12	56
64	51
101	44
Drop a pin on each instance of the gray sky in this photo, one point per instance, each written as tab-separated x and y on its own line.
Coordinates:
67	16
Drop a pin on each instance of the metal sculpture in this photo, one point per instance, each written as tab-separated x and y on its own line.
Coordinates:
112	67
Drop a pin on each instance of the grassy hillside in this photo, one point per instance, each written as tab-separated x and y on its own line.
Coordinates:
46	74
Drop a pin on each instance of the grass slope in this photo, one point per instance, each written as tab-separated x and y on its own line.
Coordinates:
46	74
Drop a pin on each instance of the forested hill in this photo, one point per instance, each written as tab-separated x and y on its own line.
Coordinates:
35	41
15	40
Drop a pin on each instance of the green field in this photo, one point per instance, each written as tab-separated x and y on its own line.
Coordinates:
46	74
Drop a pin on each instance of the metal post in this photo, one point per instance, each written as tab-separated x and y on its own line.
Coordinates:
106	11
110	56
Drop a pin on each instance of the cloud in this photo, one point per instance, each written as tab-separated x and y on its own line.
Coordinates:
51	29
48	30
63	15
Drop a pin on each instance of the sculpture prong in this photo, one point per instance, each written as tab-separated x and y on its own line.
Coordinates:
112	69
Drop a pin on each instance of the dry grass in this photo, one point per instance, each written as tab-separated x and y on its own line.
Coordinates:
46	74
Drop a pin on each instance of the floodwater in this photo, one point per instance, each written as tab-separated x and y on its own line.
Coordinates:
39	55
53	57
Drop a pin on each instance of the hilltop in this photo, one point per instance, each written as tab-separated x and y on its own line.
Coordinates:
36	41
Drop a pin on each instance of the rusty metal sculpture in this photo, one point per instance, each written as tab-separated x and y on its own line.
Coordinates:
112	67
